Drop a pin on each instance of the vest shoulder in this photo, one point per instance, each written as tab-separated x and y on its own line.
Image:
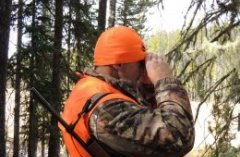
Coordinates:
81	92
94	85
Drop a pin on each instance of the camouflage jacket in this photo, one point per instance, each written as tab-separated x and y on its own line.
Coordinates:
162	125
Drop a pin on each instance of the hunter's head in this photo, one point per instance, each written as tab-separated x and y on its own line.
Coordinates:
120	52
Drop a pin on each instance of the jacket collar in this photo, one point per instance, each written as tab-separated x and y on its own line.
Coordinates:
127	87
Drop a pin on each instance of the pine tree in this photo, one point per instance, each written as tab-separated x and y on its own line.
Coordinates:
84	33
33	122
112	14
54	141
133	13
18	81
102	15
5	11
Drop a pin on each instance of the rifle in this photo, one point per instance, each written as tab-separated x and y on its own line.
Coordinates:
93	148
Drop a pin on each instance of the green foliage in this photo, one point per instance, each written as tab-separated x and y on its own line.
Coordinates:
230	152
82	19
162	41
133	13
38	46
220	127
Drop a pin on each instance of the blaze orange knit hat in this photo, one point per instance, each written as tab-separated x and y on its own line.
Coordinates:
118	45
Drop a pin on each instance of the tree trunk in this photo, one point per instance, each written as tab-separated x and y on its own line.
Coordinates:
33	127
54	141
43	138
102	15
43	131
77	33
5	11
17	81
112	16
43	147
33	122
69	37
125	9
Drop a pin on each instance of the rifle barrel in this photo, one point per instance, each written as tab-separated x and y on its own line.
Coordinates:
49	107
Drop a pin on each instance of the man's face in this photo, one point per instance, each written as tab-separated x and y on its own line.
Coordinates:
132	71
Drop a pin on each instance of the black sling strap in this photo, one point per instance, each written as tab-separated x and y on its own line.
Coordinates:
93	101
92	147
88	106
96	149
99	147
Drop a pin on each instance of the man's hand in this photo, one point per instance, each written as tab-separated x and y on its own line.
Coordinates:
157	67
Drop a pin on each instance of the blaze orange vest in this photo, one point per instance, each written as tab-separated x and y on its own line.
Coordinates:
81	93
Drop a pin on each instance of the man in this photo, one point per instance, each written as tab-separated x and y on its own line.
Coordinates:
142	111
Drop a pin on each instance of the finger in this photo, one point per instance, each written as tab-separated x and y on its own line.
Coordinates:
158	58
164	58
150	56
155	57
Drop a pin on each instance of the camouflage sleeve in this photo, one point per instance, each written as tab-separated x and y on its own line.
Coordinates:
138	130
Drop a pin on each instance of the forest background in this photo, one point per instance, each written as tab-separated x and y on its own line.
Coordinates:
54	39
